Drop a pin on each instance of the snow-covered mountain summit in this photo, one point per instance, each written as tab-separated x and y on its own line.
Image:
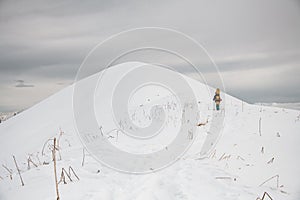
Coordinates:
257	143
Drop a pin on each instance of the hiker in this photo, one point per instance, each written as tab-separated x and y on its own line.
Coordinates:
217	99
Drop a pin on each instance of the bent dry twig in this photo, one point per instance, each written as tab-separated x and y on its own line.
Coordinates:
68	174
265	195
269	179
29	161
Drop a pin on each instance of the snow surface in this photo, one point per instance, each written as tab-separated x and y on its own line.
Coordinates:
294	106
239	163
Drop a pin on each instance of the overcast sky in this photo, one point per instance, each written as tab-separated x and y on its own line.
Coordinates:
255	43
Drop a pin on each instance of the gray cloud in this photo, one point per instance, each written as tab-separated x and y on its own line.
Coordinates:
44	43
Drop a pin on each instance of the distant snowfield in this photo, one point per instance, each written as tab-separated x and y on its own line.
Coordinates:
295	106
7	115
244	158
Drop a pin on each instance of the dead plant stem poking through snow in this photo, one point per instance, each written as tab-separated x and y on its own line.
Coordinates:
265	195
29	161
277	181
69	175
83	157
55	174
19	172
259	129
9	171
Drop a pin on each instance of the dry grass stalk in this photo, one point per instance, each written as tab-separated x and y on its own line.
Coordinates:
71	169
10	171
63	178
83	157
240	158
271	161
29	160
264	195
68	174
221	157
46	144
59	137
202	123
54	163
19	172
277	181
224	157
259	128
224	178
227	157
38	158
213	154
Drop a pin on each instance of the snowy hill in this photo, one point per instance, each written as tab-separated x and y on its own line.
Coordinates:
257	143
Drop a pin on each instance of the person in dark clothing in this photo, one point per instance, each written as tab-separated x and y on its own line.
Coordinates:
217	99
